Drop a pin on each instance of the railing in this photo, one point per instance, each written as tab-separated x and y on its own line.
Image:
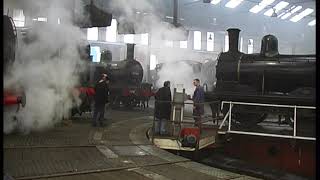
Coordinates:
294	136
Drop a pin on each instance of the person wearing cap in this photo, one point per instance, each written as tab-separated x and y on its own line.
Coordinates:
101	98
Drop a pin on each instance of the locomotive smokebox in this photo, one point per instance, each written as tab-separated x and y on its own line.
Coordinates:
233	39
130	51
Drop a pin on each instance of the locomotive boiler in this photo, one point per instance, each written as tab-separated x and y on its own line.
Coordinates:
125	77
265	77
128	72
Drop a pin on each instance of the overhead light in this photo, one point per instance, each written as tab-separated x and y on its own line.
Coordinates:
291	12
138	12
312	23
276	8
215	1
286	11
261	5
233	3
301	15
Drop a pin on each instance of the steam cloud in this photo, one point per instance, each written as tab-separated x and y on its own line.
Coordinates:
47	80
176	71
180	73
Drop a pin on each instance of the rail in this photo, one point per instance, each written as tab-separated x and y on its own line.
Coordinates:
294	136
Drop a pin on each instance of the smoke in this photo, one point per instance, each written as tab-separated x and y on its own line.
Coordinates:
45	70
144	15
179	74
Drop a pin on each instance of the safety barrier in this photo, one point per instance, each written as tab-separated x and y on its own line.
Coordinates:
294	136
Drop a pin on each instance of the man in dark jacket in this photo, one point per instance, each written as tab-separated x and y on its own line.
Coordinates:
198	100
162	108
100	98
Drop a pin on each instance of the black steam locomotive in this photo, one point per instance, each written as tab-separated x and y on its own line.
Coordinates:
126	87
12	96
265	77
125	78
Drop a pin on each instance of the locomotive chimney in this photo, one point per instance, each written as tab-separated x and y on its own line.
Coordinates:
130	51
233	39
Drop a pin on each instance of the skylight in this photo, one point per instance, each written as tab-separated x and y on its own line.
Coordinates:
312	23
283	13
291	12
301	15
215	1
276	8
233	3
261	5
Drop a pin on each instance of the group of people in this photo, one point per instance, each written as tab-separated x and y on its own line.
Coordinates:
163	106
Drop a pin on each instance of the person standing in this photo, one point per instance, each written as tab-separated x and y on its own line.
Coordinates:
198	100
100	98
162	108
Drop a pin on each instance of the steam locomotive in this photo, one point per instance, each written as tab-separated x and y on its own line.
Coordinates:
126	87
265	77
12	95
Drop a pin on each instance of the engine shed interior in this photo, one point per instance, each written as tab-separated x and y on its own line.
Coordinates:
159	89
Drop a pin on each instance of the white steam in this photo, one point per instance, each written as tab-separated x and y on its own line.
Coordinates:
145	18
179	73
45	70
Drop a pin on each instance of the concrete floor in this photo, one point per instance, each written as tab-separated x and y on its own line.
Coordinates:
120	150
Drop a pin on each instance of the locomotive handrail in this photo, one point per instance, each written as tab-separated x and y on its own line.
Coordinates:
270	105
294	136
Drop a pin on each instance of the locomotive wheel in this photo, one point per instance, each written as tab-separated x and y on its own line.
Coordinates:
248	119
305	117
305	122
306	91
245	117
